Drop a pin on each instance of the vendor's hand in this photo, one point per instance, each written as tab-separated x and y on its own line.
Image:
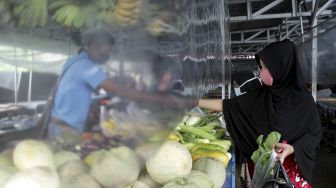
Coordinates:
283	150
178	102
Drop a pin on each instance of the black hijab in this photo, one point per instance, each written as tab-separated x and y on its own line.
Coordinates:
286	107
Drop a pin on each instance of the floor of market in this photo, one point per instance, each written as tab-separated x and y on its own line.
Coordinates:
325	172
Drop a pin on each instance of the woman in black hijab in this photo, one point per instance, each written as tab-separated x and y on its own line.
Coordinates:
282	104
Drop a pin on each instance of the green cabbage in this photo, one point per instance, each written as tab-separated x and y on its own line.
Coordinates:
118	167
195	179
171	161
63	157
35	177
32	153
73	168
5	173
79	181
213	168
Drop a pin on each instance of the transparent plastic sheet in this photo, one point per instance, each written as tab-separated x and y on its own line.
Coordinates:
208	49
326	47
176	41
262	170
33	59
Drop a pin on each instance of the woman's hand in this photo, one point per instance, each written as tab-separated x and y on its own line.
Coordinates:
283	150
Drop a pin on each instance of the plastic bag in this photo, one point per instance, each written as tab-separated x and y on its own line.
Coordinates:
263	171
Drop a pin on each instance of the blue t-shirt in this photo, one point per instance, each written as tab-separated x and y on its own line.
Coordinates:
73	97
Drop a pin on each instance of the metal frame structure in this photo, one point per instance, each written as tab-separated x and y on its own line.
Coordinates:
294	25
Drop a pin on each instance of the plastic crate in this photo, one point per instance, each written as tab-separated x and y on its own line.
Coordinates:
230	181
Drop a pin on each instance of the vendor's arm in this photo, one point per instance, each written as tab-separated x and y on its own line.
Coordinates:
211	104
112	86
165	100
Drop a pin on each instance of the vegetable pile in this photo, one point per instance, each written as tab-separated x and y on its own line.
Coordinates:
171	165
204	137
194	156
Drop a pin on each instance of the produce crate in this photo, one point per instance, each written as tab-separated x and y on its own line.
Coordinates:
230	181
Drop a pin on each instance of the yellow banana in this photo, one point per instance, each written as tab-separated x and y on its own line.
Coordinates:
135	13
217	155
155	27
129	6
121	19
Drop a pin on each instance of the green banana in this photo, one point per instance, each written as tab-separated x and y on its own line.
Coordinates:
2	6
91	15
104	4
5	15
58	4
71	15
79	21
31	13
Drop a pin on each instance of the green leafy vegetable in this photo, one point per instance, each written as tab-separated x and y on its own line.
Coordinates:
265	146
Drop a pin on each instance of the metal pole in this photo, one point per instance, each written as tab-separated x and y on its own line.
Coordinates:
268	35
266	8
314	53
301	24
274	16
224	39
279	31
325	6
255	35
253	41
286	28
249	9
30	77
15	78
121	57
294	8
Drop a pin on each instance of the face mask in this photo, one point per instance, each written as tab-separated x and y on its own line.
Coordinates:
103	59
238	90
266	77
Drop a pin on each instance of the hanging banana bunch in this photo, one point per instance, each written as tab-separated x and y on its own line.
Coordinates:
106	10
79	13
30	13
167	23
5	14
127	12
160	24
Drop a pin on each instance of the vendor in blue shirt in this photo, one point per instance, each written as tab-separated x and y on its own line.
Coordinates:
82	76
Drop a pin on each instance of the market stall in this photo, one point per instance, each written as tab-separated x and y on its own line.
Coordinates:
175	50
